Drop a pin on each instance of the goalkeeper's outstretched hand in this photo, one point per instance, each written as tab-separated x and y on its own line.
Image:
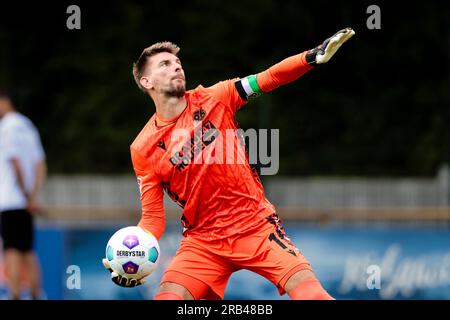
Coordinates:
328	48
122	280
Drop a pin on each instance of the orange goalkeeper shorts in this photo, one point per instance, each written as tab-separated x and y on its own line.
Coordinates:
204	267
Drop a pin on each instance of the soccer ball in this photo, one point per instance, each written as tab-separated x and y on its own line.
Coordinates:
133	253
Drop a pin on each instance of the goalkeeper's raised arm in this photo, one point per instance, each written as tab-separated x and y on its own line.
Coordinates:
291	68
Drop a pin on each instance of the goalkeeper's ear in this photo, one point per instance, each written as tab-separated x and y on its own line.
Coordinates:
328	48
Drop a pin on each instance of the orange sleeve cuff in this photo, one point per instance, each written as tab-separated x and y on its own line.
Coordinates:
154	222
284	72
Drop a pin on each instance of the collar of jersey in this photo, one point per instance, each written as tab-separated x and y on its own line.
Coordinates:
161	122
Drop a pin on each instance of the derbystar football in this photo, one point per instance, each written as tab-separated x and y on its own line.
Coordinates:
133	252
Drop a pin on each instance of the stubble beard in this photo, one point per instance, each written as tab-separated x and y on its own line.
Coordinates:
176	91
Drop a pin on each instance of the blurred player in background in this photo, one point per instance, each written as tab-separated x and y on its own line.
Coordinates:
22	172
228	223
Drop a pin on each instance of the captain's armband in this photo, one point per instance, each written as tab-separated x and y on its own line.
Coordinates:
248	88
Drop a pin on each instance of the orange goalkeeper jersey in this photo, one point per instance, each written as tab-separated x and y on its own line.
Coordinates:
198	159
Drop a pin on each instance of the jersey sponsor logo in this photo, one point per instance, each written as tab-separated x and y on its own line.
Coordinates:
201	138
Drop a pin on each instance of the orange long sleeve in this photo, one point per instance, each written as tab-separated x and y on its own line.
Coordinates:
286	71
153	221
153	218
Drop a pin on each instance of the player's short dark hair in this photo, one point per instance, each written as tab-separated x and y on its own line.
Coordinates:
141	63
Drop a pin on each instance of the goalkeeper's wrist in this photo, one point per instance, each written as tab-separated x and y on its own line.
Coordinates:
311	55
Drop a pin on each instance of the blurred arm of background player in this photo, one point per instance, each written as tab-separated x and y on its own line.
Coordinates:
40	176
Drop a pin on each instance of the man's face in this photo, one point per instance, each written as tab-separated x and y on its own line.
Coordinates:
164	74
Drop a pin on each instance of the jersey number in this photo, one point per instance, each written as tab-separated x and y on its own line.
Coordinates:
278	241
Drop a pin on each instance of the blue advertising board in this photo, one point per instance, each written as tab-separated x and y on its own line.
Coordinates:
353	261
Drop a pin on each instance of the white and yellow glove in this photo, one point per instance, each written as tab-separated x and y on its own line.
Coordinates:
328	48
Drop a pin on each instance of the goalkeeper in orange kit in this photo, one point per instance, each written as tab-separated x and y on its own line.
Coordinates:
228	223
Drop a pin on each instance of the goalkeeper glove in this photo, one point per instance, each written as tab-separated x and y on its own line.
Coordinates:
122	280
328	48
